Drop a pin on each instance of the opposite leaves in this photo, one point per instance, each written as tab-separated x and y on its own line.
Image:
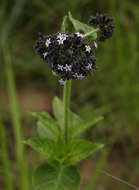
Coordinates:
66	154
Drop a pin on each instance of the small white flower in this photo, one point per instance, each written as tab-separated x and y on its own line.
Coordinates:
45	54
60	41
61	38
48	41
54	73
62	81
89	66
88	48
79	34
60	67
80	76
95	45
67	67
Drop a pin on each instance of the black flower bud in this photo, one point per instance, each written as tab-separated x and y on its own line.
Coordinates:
105	24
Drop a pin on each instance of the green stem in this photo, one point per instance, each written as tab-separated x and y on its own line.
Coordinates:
91	32
21	162
5	158
66	96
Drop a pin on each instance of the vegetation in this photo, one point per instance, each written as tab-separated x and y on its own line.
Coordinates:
112	93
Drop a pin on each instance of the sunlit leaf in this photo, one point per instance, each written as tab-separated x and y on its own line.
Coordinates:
58	109
83	125
44	132
64	24
48	122
47	177
81	26
46	147
79	150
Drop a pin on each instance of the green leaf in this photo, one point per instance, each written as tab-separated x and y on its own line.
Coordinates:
46	147
79	150
47	177
48	122
81	26
83	125
58	109
64	24
44	132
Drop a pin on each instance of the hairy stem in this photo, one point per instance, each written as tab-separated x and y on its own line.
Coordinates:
66	96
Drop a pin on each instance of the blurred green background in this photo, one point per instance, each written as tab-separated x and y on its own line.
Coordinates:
26	84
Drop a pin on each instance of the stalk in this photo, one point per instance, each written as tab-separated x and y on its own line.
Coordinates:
20	157
91	32
5	158
66	100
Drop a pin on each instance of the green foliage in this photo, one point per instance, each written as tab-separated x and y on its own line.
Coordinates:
58	109
80	127
44	132
64	24
81	26
6	162
114	89
67	154
76	125
46	120
46	147
79	150
47	177
52	143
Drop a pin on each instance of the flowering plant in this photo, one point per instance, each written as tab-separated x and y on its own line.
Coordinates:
70	56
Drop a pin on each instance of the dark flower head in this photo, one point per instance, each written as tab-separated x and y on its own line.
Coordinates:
69	56
105	24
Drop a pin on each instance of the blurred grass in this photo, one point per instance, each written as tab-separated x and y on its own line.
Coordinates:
19	147
114	89
6	169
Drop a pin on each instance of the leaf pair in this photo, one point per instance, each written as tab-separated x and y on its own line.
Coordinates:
66	154
78	26
63	175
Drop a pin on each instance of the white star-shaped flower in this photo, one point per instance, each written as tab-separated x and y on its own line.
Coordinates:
79	34
48	42
95	45
88	48
61	38
45	54
62	81
67	67
60	67
89	66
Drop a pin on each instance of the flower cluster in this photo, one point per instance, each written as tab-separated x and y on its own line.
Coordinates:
105	25
69	56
